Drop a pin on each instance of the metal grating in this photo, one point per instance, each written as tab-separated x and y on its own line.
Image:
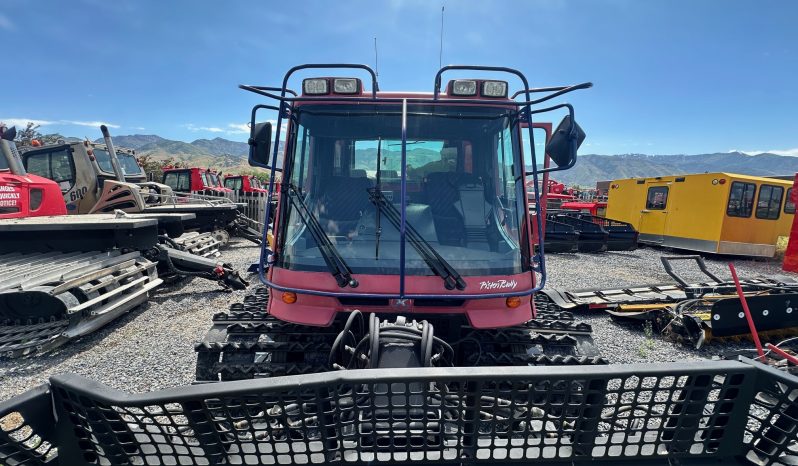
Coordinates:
714	410
771	432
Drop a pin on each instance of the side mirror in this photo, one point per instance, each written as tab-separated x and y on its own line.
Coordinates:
560	147
260	139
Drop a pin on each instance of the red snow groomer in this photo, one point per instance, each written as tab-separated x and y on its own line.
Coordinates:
24	194
396	325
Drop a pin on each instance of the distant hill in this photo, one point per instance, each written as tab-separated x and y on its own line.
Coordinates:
135	141
592	167
223	146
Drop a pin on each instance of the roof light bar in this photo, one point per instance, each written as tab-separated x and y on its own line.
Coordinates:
494	89
315	86
464	87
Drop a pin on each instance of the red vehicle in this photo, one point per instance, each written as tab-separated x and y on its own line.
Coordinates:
395	210
192	180
244	183
23	194
215	179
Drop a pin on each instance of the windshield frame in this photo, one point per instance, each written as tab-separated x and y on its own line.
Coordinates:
524	235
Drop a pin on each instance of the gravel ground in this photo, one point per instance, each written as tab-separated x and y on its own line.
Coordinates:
152	347
627	343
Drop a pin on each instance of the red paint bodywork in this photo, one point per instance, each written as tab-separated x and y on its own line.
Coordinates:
321	310
196	184
790	263
246	184
593	208
15	196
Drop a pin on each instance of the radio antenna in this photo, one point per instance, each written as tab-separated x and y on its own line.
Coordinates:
376	60
440	54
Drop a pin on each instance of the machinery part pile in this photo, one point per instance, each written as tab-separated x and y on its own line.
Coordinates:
695	313
712	412
47	299
175	264
200	244
246	342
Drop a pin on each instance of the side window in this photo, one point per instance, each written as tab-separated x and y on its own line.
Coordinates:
741	199
184	182
103	160
170	179
39	164
657	198
769	203
56	166
789	204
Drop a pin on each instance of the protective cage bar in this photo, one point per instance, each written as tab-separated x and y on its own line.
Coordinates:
738	412
285	110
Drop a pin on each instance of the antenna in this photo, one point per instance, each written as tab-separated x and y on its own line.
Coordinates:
440	55
376	61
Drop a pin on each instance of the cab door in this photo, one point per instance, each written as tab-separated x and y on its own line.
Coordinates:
654	215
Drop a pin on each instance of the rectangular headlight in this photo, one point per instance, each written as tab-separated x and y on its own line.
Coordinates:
494	89
464	87
346	86
315	86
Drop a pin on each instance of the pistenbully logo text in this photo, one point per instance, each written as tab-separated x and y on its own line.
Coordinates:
498	285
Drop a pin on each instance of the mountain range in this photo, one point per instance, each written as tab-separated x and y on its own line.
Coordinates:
590	168
227	154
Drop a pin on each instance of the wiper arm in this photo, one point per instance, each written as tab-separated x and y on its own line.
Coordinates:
438	265
338	267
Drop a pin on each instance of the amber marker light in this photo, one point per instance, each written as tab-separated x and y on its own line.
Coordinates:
289	297
513	302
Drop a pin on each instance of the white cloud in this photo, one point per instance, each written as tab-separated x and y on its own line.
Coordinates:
23	122
93	124
236	128
207	129
6	23
786	152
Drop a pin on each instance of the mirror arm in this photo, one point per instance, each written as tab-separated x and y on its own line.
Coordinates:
566	89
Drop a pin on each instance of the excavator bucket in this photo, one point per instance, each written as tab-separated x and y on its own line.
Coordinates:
709	412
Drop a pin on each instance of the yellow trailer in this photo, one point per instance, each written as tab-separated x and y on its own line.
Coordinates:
720	213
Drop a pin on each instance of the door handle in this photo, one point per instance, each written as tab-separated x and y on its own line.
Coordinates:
645	211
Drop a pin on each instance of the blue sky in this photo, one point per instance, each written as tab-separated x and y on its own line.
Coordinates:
670	76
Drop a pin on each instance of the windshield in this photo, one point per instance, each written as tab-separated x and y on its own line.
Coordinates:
461	188
126	161
129	164
214	179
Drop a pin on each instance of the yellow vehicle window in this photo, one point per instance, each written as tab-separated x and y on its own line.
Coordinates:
741	199
769	203
657	198
789	204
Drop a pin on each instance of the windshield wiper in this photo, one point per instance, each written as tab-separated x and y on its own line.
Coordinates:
438	265
338	267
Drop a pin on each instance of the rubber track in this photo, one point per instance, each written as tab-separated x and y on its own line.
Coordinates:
247	342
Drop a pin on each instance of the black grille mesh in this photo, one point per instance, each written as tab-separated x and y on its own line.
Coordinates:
475	415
